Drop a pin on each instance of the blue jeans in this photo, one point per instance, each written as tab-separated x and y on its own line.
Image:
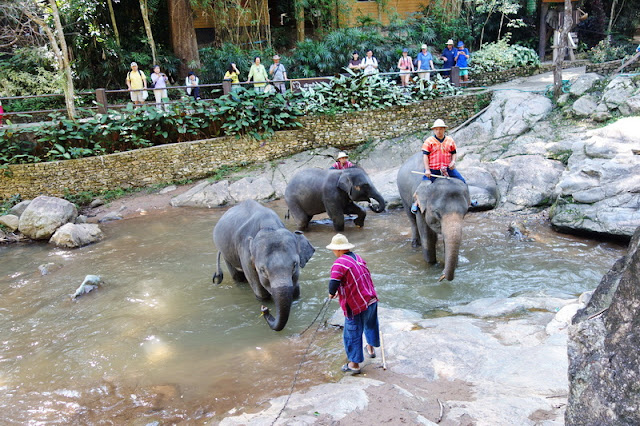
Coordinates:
454	173
366	322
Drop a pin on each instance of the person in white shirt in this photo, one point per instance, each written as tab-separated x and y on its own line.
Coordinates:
369	63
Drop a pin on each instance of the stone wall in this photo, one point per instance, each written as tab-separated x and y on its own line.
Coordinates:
194	160
606	68
496	77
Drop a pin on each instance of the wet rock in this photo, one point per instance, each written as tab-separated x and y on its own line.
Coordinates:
519	231
19	208
259	189
482	187
600	190
109	217
499	306
584	83
603	348
44	215
10	222
204	194
168	189
525	180
97	202
72	235
48	268
90	283
584	106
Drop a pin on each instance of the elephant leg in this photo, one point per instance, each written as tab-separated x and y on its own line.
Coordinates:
237	276
353	208
301	217
296	291
432	239
415	237
337	217
427	236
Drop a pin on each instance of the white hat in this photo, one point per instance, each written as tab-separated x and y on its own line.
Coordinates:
438	123
342	154
134	64
449	41
424	46
340	242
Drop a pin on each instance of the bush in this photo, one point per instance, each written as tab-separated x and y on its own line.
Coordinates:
500	55
605	51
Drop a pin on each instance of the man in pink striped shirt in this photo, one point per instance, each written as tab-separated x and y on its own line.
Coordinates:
351	280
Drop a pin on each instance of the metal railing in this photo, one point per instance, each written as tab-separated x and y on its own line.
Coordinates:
101	103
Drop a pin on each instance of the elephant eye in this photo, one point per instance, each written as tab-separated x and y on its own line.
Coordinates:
357	188
295	265
263	270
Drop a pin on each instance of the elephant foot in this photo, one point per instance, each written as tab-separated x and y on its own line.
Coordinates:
415	243
217	278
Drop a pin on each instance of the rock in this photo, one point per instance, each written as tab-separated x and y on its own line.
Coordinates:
97	202
386	183
81	219
600	190
168	189
259	189
10	222
72	235
204	195
563	99
44	215
109	217
525	180
632	105
500	306
601	117
90	283
19	208
482	187
562	320
584	106
618	91
584	83
603	349
518	230
47	268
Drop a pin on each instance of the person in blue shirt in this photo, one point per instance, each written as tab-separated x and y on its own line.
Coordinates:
462	61
448	56
424	62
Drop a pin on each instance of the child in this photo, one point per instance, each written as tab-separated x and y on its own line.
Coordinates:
343	162
462	61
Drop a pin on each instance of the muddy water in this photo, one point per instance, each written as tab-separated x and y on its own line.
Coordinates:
160	342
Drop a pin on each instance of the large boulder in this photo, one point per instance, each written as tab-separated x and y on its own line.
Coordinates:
618	91
482	187
584	83
10	221
204	194
249	188
604	349
584	106
19	208
72	235
600	190
44	215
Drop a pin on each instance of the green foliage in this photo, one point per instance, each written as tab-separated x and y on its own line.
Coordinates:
8	203
215	61
606	51
501	55
447	26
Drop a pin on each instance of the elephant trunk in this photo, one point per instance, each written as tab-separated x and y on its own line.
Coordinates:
452	236
381	204
283	298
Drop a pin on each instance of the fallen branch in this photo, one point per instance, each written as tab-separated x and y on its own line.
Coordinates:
630	61
441	411
597	314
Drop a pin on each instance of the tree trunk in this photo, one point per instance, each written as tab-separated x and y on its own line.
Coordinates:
611	15
562	45
113	22
183	35
299	7
147	26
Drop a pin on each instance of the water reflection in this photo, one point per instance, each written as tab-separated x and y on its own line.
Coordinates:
159	340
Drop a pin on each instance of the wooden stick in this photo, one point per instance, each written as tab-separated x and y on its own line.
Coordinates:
384	360
441	411
631	60
438	176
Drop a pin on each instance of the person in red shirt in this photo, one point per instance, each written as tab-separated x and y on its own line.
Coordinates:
351	280
342	163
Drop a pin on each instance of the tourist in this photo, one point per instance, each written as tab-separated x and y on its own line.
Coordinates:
439	156
159	84
278	74
137	84
351	280
354	63
424	63
462	61
259	75
342	162
369	64
448	56
405	64
192	82
234	75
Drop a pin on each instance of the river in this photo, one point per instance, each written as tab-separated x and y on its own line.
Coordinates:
160	342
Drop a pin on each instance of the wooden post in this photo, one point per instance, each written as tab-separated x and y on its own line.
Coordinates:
101	100
542	43
226	87
455	76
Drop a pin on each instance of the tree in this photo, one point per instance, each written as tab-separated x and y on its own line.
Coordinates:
113	22
144	9
46	15
557	63
183	35
505	8
299	8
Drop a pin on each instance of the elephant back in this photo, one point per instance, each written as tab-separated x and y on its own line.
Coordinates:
407	181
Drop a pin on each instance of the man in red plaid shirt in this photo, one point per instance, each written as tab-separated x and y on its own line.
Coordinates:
440	154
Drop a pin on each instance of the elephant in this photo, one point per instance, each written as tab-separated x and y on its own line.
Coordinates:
443	205
314	191
257	248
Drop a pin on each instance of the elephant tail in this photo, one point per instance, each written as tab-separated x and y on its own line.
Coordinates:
288	215
218	276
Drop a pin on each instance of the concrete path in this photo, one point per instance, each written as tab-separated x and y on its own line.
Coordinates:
538	82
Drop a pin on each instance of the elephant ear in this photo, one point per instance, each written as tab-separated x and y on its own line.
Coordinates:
422	193
344	183
305	249
251	249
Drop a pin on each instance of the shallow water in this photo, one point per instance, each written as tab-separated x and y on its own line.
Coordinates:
159	341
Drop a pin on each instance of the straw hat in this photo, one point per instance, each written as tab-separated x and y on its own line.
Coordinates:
340	242
342	154
276	57
438	123
449	41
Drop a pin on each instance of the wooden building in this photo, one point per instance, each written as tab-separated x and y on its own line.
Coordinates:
236	21
378	11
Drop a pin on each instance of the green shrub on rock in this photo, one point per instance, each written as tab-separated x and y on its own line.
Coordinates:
501	55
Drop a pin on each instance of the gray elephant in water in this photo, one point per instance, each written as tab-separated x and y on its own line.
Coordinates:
258	248
443	205
314	191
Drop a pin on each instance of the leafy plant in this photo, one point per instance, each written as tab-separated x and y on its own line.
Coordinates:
501	55
606	51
